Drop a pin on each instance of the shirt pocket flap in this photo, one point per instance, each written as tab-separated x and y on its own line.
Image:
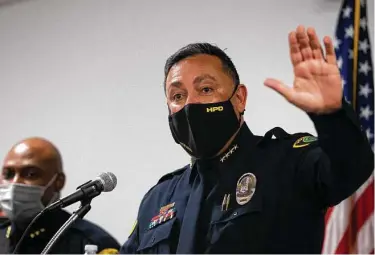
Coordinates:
155	235
253	206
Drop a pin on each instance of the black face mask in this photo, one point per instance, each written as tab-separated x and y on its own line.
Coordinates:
203	129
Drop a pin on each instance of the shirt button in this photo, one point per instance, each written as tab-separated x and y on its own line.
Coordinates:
153	239
235	214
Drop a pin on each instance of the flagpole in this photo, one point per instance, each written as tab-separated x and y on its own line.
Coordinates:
357	15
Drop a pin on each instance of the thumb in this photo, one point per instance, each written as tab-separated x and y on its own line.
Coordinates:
280	88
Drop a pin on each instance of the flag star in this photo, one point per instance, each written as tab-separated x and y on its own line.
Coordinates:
336	43
364	68
349	32
365	112
350	54
369	134
346	12
364	46
365	90
347	100
339	62
343	81
363	23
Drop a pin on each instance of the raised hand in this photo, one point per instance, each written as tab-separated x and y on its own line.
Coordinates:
317	86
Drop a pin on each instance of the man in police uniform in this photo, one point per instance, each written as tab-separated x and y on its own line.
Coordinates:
245	193
32	177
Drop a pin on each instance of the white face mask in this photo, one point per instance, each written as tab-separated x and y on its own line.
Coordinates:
21	202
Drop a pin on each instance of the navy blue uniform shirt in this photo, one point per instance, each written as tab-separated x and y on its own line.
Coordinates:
73	241
264	194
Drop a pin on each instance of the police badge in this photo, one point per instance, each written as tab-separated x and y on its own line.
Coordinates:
245	188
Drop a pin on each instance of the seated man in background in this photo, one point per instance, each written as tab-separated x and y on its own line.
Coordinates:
32	178
2	215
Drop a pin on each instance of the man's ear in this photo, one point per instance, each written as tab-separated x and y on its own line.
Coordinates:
240	98
60	182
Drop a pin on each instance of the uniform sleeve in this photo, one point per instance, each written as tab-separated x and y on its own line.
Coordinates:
131	245
343	159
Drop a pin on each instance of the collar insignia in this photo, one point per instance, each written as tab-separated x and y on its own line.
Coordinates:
229	153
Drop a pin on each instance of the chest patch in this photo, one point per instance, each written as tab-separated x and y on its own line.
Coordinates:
166	213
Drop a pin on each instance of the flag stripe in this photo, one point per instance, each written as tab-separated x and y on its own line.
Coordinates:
328	213
365	238
359	216
336	226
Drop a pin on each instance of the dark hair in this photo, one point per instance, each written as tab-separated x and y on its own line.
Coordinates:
202	48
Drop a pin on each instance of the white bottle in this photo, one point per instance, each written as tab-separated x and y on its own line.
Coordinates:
91	249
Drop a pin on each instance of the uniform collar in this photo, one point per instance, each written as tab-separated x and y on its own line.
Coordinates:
49	221
242	144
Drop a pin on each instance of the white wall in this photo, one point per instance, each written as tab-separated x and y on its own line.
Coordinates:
88	75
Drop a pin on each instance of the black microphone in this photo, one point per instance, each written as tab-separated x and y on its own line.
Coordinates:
104	182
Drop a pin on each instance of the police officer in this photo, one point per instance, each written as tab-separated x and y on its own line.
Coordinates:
33	177
244	193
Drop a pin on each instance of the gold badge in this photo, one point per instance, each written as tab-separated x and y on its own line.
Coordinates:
109	251
245	188
304	141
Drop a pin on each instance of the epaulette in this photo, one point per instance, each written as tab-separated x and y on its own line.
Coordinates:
276	132
172	174
299	140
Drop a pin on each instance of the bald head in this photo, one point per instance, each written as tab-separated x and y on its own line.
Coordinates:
36	149
34	161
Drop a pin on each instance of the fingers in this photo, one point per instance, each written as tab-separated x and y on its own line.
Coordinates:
316	48
280	88
304	43
295	53
330	50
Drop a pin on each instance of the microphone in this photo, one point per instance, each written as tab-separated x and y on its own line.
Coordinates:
104	182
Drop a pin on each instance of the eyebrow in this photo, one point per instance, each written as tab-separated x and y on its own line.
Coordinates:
196	81
26	166
176	84
203	77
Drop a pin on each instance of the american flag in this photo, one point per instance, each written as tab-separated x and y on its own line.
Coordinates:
350	225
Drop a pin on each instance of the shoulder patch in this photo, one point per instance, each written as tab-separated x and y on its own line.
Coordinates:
304	141
133	228
109	251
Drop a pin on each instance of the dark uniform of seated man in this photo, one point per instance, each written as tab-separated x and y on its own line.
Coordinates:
245	193
32	178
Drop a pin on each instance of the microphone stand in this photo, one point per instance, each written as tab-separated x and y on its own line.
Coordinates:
80	213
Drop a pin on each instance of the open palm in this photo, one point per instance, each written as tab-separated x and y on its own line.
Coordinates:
317	84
